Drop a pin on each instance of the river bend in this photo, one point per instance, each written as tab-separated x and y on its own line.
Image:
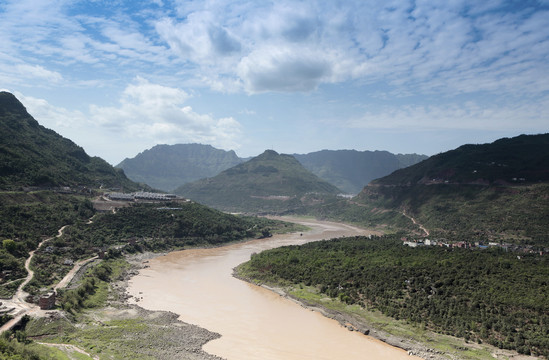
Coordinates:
254	323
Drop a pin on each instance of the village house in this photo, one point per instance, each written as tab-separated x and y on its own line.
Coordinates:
47	301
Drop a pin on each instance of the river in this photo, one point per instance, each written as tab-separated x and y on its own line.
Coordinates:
254	323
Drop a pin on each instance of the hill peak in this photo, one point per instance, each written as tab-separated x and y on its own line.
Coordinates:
9	104
32	155
166	167
268	155
269	182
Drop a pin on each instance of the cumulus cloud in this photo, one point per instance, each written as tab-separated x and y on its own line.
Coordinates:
458	45
276	69
199	39
38	72
159	114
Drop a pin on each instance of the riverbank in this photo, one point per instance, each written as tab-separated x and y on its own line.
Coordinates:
353	323
415	341
121	329
251	320
125	328
165	336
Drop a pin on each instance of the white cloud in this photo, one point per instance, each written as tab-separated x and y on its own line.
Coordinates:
157	113
277	69
470	115
406	44
375	52
37	72
50	116
191	39
231	46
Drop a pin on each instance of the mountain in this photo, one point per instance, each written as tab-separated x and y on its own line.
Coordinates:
166	167
522	159
270	182
351	170
489	193
31	155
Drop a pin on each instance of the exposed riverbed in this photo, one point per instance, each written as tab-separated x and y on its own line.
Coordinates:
254	323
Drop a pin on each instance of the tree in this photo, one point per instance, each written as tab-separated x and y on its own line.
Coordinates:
9	245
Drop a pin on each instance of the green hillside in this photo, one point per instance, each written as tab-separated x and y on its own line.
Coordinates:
351	170
270	182
31	155
167	167
467	194
522	159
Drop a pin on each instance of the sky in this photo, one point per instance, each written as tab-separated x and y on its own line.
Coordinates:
118	77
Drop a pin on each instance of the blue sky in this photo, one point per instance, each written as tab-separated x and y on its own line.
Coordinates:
118	77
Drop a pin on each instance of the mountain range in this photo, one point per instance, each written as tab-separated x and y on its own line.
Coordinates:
351	170
167	167
488	192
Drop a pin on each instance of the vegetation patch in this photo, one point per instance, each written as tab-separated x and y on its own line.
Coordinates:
145	227
481	296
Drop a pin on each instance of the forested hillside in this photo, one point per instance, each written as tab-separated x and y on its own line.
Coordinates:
488	296
31	155
270	182
26	219
518	160
477	193
146	227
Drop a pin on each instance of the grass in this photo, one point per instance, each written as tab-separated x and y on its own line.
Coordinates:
102	291
113	339
116	339
55	353
47	326
113	332
134	336
8	290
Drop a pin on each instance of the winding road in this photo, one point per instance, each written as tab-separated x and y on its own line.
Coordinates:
17	302
422	228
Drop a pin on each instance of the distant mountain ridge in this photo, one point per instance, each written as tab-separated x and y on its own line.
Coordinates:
351	170
167	167
31	155
270	182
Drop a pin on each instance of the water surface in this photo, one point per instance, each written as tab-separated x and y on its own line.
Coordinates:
254	323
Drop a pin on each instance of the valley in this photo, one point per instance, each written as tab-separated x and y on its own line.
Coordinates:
198	285
477	291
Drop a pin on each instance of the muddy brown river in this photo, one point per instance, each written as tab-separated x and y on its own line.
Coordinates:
254	323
